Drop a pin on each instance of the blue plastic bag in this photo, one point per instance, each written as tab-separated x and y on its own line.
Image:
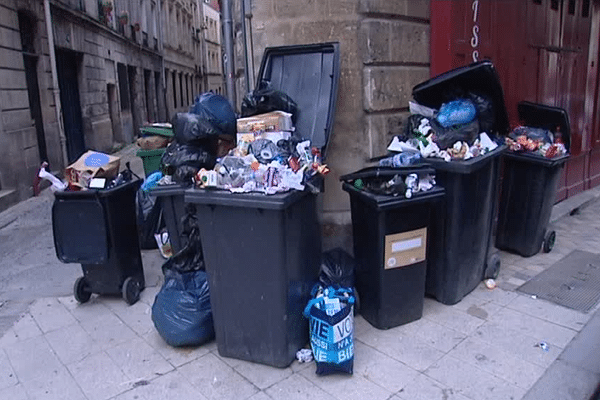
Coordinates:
181	311
456	112
332	333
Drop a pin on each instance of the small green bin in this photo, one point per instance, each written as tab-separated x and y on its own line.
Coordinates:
151	160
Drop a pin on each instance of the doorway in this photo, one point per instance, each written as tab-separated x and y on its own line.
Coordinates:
30	60
67	63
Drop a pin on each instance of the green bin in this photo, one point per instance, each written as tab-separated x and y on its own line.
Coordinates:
151	160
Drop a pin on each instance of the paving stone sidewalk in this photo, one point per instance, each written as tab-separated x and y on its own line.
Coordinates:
484	347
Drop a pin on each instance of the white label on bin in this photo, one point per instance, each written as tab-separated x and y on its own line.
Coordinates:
404	245
406	248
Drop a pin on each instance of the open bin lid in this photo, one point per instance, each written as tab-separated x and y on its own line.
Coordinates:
480	77
309	74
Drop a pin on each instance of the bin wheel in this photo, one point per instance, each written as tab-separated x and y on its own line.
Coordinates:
492	269
131	290
81	291
549	241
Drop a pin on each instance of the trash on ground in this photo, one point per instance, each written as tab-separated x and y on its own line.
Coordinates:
490	284
543	345
331	320
181	311
304	355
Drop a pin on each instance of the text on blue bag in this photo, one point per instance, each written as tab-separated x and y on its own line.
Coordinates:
332	343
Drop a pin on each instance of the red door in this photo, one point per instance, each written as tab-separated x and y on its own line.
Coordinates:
545	51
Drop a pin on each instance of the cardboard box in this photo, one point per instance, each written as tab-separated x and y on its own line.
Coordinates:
92	164
276	121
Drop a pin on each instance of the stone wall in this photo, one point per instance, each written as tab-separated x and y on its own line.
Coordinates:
19	155
384	53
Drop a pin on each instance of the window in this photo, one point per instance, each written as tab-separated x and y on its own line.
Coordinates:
585	9
181	88
123	86
571	7
174	89
554	4
537	1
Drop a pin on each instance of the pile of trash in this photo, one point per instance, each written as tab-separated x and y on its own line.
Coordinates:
398	185
268	158
201	135
539	141
459	130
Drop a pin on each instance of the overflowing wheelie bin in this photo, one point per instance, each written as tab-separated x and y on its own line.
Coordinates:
262	252
462	223
391	235
530	180
97	228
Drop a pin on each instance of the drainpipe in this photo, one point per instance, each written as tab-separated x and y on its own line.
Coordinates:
55	87
161	52
229	54
245	38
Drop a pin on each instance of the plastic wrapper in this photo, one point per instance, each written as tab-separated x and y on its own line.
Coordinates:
181	311
337	269
265	99
331	320
217	111
456	112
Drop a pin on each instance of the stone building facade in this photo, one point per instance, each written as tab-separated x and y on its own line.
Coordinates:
213	55
384	53
119	64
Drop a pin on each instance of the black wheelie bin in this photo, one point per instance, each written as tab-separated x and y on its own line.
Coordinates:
262	252
462	223
97	228
391	235
529	186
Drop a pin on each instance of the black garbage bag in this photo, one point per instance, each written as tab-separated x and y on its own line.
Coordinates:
337	269
446	137
183	161
265	99
217	111
485	111
190	257
149	219
181	311
189	128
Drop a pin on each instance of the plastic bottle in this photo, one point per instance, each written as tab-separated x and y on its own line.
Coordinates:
400	160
